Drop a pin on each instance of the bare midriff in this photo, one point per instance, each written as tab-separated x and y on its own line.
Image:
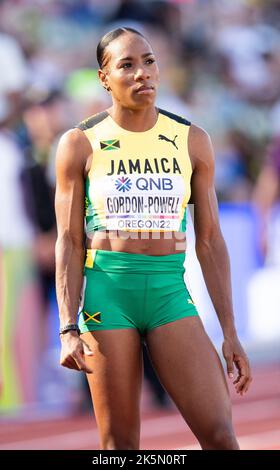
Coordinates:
148	243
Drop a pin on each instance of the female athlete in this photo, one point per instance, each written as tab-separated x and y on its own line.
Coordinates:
124	179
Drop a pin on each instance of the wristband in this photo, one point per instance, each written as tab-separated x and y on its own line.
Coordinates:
69	327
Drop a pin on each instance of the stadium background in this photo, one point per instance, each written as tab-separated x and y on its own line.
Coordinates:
220	68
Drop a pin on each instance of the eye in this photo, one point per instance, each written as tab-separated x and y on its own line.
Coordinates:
151	61
124	66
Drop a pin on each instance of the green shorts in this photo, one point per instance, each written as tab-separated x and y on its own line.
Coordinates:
127	290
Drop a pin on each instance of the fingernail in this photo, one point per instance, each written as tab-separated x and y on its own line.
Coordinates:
230	375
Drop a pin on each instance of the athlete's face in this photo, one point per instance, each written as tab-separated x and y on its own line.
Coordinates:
129	66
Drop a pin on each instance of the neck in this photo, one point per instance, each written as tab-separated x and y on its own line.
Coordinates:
135	120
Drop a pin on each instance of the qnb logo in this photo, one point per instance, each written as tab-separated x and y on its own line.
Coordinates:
123	184
149	184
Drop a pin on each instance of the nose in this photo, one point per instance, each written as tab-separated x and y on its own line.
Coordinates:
142	74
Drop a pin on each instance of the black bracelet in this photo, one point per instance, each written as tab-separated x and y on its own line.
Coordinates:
69	327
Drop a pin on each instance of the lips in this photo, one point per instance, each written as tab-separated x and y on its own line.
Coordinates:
145	89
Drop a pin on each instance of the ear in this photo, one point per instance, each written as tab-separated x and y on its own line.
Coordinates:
103	78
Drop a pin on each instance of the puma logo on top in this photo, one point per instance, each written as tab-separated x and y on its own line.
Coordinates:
163	137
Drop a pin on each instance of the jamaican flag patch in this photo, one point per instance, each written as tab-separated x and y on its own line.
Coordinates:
110	144
96	317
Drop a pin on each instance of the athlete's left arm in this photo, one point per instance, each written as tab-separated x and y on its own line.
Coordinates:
212	252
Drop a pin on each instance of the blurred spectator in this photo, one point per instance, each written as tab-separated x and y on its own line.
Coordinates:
263	289
266	196
13	78
248	45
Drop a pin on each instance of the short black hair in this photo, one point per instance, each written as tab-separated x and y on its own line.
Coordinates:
109	37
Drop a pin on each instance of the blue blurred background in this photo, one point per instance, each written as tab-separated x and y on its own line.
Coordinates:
220	68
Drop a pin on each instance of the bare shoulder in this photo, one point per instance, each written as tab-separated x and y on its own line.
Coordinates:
73	149
200	146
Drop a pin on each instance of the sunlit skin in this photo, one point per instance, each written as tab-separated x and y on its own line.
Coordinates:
184	357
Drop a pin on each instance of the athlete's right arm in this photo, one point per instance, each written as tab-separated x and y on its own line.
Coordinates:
71	158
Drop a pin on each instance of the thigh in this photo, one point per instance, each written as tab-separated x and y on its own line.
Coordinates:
115	383
191	372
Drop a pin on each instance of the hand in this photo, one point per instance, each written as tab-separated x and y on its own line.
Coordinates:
73	349
235	355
